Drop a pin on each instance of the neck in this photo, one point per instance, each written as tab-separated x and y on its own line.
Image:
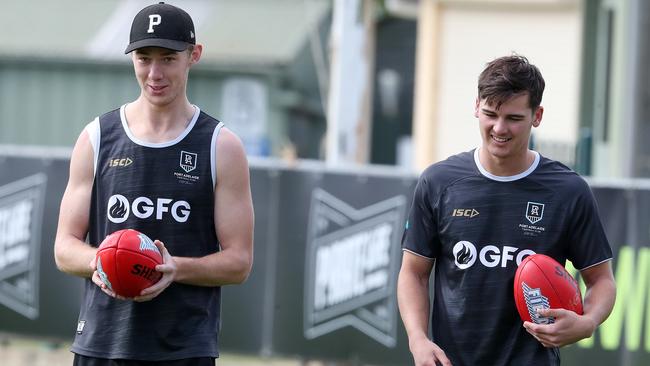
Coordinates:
158	123
508	166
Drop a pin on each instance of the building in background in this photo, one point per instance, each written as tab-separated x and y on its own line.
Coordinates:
615	102
593	54
455	41
272	72
62	63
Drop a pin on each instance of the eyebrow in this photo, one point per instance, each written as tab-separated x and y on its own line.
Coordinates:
485	110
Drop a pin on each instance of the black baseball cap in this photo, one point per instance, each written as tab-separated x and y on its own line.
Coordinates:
161	25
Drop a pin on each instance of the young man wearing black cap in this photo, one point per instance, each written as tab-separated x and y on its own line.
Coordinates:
184	181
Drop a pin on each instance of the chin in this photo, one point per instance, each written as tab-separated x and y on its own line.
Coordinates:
499	152
159	100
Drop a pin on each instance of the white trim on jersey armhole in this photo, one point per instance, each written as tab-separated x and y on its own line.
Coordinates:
509	178
595	264
419	255
94	135
213	156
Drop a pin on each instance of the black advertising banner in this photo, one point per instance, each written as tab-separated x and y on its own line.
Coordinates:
35	298
245	308
327	254
337	266
350	264
21	214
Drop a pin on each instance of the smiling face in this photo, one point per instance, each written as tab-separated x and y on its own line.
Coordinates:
162	73
505	132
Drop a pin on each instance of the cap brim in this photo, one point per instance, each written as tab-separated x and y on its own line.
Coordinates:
157	42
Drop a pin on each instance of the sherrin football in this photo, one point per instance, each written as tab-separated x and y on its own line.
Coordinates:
543	283
126	262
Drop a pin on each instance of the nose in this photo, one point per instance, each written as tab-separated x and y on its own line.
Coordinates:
500	127
155	71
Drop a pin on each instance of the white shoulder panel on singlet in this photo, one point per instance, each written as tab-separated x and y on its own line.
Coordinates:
213	157
94	133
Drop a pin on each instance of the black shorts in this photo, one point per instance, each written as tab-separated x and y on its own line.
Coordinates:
80	360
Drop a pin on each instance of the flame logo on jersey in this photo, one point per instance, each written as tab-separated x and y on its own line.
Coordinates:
118	208
534	301
464	254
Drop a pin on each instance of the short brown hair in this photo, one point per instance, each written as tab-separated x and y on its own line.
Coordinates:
508	76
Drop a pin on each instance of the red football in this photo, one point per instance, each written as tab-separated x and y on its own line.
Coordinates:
543	283
126	262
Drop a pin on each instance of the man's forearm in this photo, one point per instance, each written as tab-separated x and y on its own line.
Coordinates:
73	256
413	301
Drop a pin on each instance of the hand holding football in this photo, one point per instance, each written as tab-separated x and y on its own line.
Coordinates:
126	262
543	283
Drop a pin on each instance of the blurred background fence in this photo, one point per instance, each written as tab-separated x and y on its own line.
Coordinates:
327	253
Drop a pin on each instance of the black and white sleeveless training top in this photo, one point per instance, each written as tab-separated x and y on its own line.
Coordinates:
166	191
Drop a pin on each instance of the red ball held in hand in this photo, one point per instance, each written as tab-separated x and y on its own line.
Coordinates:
126	262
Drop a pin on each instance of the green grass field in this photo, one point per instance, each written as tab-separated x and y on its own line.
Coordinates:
22	351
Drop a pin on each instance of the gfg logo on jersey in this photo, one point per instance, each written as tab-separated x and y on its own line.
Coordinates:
119	208
352	261
466	254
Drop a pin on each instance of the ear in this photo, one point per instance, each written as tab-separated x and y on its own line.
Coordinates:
537	116
476	105
196	54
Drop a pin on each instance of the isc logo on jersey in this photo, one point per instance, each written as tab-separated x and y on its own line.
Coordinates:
465	255
119	208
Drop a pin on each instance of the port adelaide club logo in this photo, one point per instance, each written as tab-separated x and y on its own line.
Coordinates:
188	162
534	212
534	215
352	260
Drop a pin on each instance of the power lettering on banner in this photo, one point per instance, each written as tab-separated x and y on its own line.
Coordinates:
352	261
21	214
